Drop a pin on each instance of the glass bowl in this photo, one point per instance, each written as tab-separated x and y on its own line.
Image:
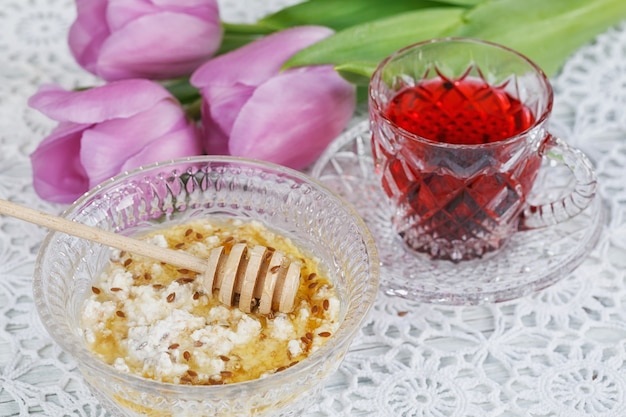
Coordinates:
284	200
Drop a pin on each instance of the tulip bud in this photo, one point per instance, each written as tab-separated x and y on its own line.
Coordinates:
119	39
253	109
104	131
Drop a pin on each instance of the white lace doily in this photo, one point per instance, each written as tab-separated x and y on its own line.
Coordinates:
557	353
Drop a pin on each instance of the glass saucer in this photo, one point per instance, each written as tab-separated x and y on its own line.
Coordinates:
530	261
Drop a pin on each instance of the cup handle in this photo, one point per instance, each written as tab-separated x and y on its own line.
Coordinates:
582	195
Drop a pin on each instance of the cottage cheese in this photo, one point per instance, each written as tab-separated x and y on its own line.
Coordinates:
154	320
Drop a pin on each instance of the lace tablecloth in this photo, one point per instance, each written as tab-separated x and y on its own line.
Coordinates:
559	352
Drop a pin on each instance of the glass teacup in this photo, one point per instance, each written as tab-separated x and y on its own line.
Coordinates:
459	132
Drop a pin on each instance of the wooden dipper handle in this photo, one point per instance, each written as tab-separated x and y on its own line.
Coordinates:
256	274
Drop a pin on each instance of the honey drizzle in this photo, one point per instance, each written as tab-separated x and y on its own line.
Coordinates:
243	363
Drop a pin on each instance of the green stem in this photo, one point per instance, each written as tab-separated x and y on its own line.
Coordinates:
182	90
237	35
193	110
249	28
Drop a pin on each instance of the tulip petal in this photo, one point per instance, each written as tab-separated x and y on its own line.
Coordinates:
175	145
215	140
257	61
108	145
99	103
58	175
221	106
88	33
158	46
122	12
102	155
177	4
163	116
293	117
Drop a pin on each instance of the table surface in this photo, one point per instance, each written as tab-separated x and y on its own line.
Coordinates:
558	352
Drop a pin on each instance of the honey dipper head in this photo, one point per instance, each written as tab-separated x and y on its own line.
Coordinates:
253	278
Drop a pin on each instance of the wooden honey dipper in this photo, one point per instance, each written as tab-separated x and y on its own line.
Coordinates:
257	273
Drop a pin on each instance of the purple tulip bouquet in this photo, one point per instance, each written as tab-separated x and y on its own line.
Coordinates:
178	81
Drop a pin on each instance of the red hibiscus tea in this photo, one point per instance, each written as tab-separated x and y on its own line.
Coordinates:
453	196
464	112
458	136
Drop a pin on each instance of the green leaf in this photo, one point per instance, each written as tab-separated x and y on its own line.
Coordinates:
547	31
360	48
238	35
357	73
467	3
343	14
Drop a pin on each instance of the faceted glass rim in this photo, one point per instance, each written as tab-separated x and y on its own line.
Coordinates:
377	112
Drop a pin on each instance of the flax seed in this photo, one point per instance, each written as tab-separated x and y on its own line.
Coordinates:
192	352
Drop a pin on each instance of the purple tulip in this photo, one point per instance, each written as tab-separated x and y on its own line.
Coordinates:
156	39
104	131
253	109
